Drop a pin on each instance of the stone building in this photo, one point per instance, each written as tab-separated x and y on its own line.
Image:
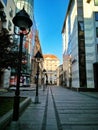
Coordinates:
67	72
50	64
60	75
36	48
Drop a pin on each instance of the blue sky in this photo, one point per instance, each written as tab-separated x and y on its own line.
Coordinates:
49	16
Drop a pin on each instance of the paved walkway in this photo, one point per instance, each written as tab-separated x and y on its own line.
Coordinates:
61	109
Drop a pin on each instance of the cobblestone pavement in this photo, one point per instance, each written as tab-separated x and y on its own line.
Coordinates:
61	109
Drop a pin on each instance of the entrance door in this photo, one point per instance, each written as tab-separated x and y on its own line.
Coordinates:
96	75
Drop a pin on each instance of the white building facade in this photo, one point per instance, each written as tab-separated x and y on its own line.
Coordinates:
80	40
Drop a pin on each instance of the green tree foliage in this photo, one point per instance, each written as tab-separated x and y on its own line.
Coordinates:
8	55
9	52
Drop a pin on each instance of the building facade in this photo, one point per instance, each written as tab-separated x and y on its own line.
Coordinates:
50	64
8	9
7	12
28	42
36	48
60	75
80	40
67	72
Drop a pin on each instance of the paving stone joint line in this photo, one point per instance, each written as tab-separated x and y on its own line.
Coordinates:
56	112
45	113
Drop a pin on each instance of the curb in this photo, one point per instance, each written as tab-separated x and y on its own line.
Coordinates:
7	118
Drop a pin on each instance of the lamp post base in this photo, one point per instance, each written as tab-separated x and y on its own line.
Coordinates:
36	100
16	108
14	125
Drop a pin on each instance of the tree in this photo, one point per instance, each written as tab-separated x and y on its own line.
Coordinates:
8	51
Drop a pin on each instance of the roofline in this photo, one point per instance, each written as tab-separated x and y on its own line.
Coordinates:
69	5
51	55
66	15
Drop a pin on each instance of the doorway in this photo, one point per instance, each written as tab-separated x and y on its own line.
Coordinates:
95	66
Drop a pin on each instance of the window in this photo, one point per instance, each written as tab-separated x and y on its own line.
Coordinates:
5	2
9	26
97	47
96	2
97	32
11	12
80	11
96	16
81	25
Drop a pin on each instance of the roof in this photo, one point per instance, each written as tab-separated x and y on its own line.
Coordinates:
50	56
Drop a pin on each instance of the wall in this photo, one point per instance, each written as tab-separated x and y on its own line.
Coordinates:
90	40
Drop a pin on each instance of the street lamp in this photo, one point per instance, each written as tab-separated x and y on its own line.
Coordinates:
38	57
23	22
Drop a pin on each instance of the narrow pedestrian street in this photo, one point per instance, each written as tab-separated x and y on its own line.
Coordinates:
61	109
48	65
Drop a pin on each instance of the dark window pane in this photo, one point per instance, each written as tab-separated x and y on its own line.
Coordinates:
96	16
97	32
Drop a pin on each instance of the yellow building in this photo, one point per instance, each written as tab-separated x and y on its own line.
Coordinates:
51	63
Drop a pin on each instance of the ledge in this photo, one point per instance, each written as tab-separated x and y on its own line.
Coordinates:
7	118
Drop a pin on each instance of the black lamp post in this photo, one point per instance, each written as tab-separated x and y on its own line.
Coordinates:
38	57
23	22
